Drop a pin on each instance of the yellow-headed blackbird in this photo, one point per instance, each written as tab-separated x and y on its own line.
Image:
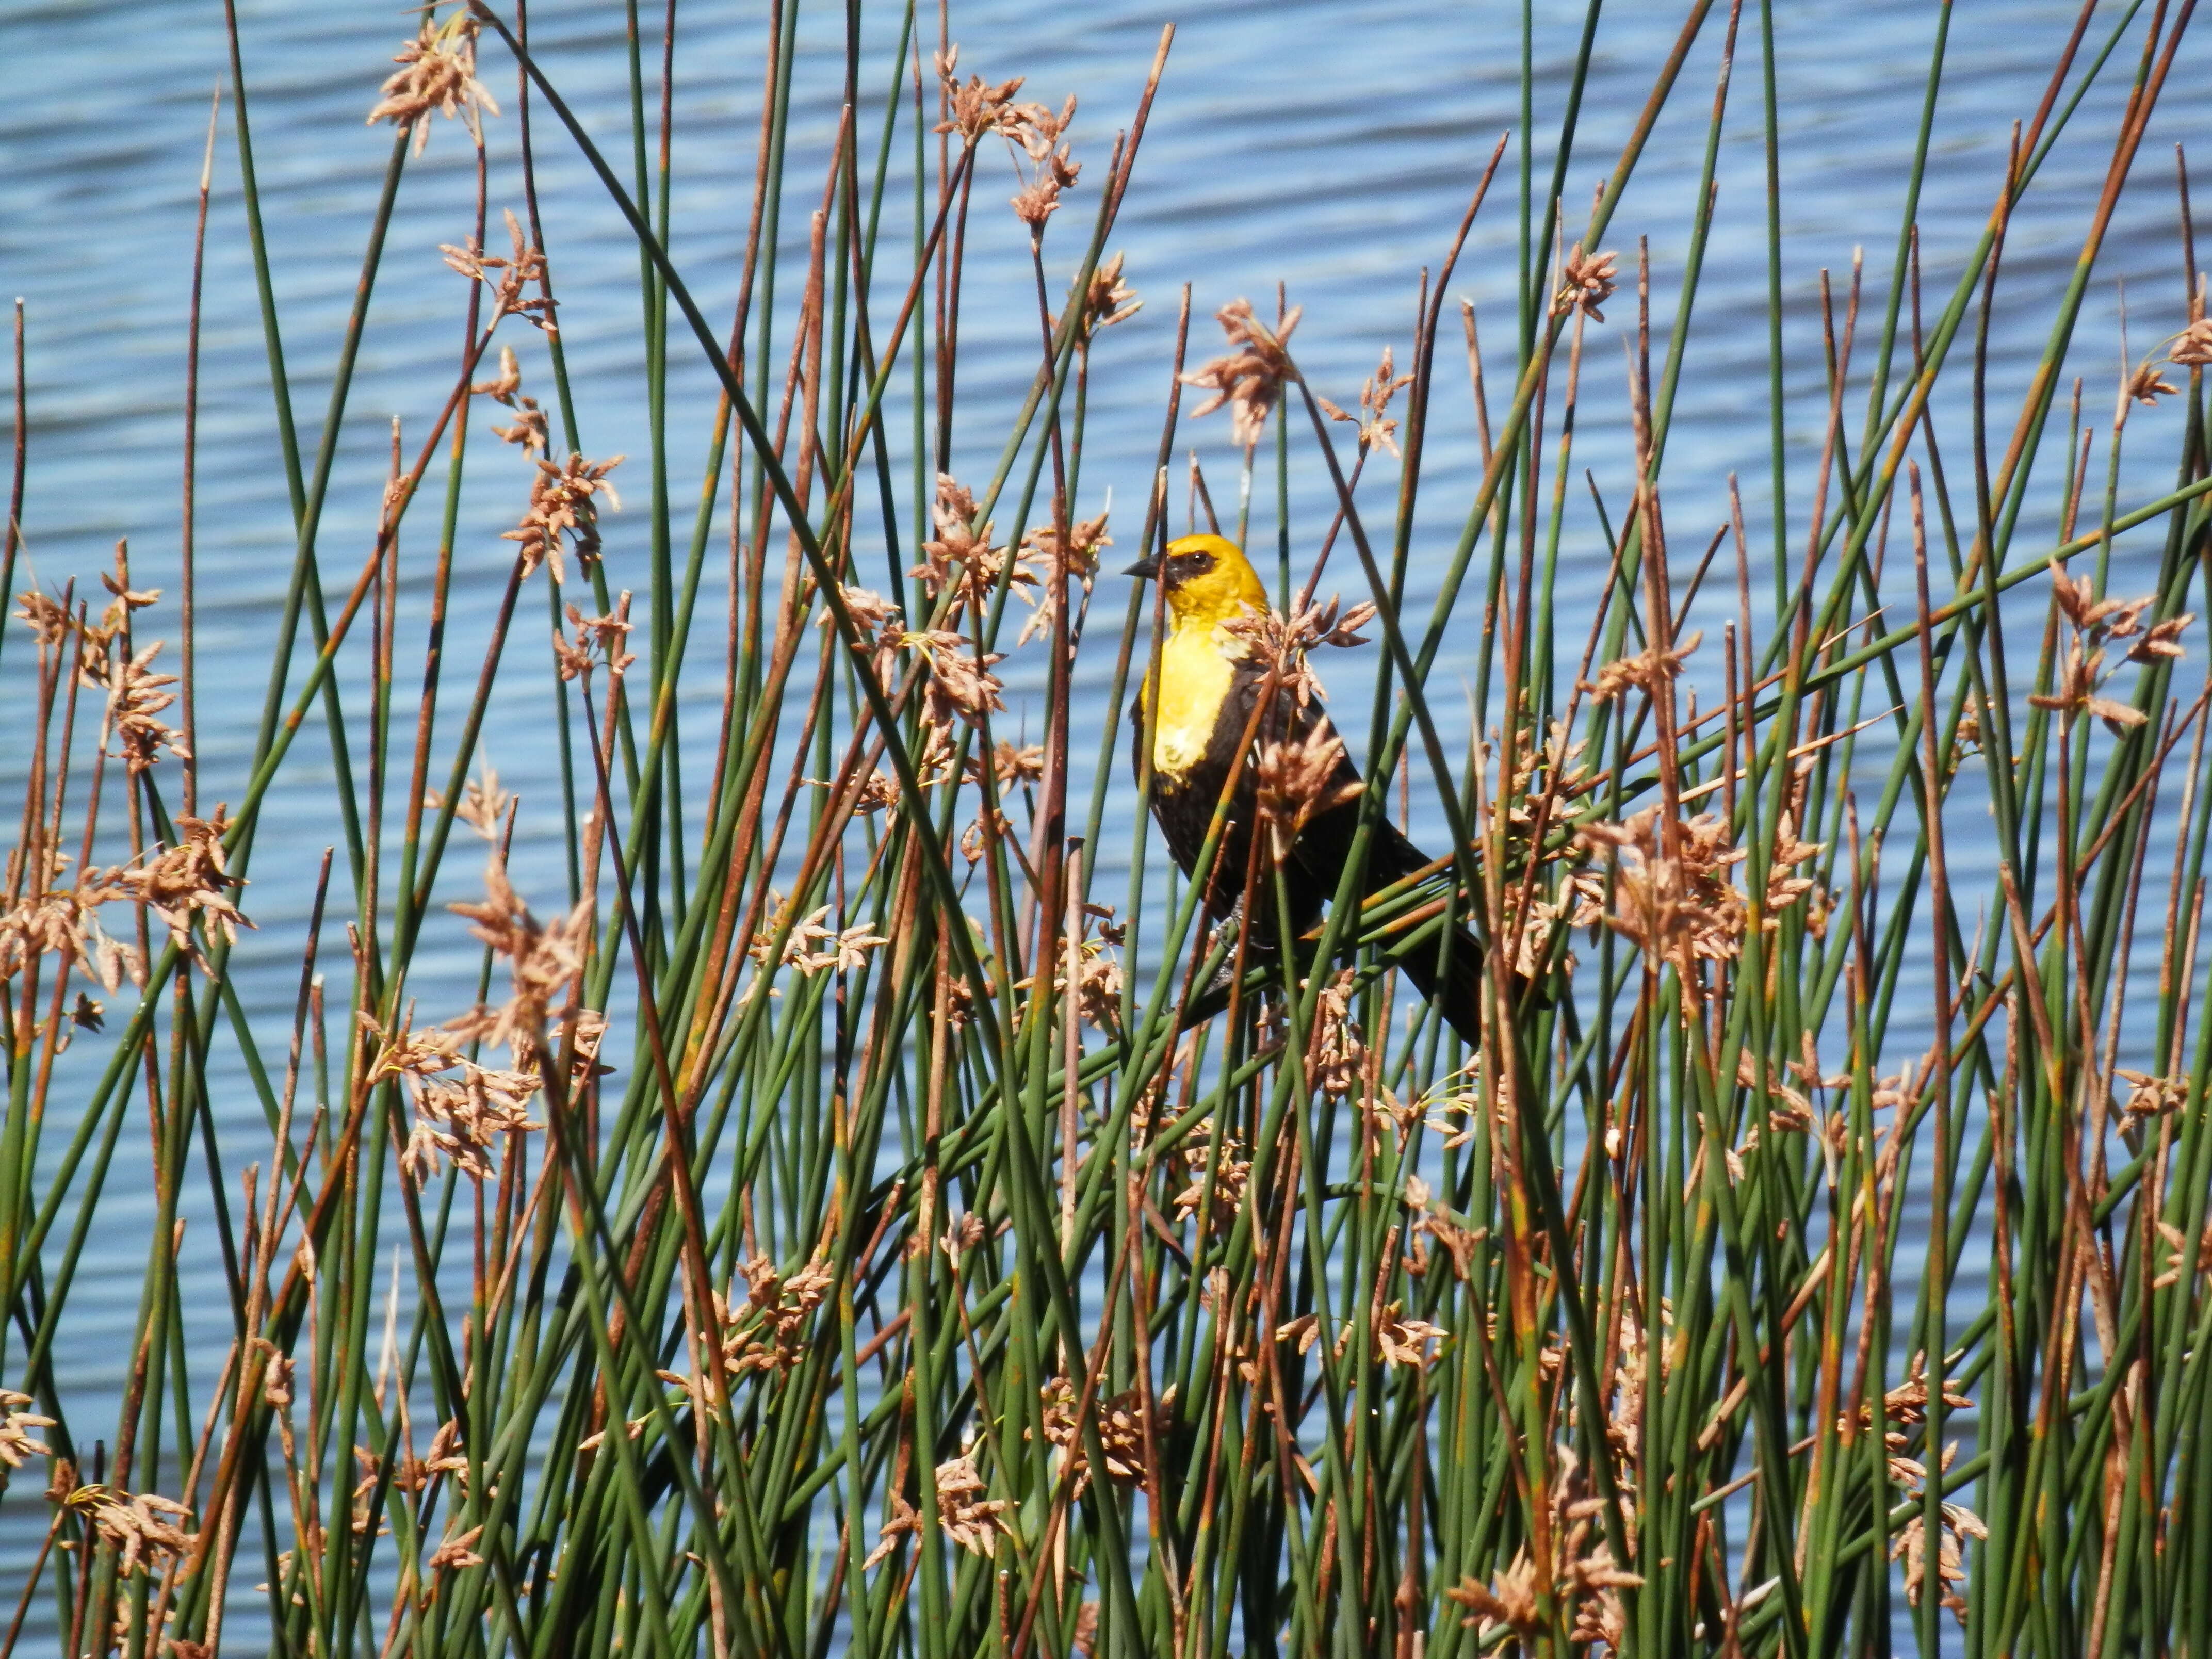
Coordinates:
1212	672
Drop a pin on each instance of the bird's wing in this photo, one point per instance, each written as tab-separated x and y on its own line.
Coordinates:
1325	846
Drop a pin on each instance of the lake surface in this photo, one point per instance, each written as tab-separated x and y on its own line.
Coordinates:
1328	148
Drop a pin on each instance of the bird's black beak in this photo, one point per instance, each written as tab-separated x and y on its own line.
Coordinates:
1144	569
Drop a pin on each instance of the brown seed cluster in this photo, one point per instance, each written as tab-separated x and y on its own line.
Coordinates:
1099	981
463	1110
2146	385
136	694
1120	1431
142	1526
1285	643
529	428
112	662
2192	347
1644	672
811	946
1586	282
960	559
1249	379
1339	1062
1583	1576
2150	1096
1107	299
1398	1341
1012	767
1674	897
964	1515
977	108
544	960
1377	430
49	919
482	806
593	640
1044	561
461	1120
1050	168
509	279
1299	779
1032	132
454	1551
2095	624
189	881
1904	1406
437	75
767	1333
1218	1192
2181	1262
961	685
562	511
17	1424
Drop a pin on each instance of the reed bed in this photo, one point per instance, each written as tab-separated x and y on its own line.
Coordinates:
869	1212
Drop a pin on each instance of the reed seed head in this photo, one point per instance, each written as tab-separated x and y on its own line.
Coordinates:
543	959
593	640
1044	562
17	1422
1377	429
437	75
529	429
1121	1425
960	682
961	558
971	1520
1109	299
2192	347
190	880
1250	378
483	802
142	1526
455	1552
1586	282
563	511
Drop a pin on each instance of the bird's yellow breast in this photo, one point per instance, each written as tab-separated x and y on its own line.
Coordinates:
1198	667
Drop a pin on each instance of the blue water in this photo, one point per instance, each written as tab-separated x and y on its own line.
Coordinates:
1331	151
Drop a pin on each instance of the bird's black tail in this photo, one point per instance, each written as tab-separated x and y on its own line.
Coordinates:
1454	985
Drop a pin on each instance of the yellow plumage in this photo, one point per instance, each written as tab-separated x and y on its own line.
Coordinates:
1201	697
1201	657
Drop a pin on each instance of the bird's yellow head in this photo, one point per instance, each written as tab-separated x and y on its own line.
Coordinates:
1208	581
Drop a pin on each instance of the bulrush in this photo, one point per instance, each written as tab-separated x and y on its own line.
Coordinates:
563	512
1108	1242
1120	1423
543	959
964	1515
1377	430
17	1424
961	560
529	430
1109	299
1043	556
509	279
142	1526
437	74
191	880
1586	282
1248	379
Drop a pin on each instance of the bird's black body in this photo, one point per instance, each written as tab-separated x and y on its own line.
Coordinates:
1183	799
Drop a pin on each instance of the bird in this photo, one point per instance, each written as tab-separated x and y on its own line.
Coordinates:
1193	714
